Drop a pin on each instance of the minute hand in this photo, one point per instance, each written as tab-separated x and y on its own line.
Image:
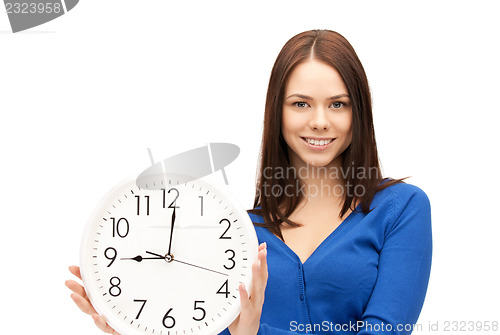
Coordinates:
171	231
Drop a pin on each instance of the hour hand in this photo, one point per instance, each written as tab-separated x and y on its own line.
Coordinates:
139	258
136	258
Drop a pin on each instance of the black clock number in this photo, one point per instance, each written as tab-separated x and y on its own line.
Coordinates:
138	197
112	257
230	259
225	287
120	227
170	319
142	307
172	204
223	236
200	309
115	289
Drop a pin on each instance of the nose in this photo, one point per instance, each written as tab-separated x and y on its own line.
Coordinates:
319	119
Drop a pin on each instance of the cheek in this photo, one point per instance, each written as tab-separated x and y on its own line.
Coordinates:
343	123
289	124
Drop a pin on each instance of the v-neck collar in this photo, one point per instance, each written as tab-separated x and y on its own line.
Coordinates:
332	235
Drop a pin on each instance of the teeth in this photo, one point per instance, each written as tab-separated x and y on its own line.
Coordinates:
318	142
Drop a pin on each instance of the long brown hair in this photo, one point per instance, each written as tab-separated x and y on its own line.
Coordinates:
333	49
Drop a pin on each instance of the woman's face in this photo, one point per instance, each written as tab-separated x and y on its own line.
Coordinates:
317	115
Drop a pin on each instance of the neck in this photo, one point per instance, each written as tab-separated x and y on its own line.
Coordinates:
322	184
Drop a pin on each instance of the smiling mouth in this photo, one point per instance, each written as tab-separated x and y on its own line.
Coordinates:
318	143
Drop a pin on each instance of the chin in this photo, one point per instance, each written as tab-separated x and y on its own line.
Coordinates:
320	162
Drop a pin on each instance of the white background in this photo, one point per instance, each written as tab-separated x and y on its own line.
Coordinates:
84	96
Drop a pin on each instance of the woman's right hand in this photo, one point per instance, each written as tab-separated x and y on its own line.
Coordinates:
82	301
248	322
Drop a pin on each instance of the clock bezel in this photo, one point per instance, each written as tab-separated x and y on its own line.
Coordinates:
86	258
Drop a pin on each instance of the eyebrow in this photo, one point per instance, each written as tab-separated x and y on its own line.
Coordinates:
306	97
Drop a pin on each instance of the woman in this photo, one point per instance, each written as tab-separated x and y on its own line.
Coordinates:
347	251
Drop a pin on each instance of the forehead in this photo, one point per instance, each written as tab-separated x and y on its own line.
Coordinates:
315	78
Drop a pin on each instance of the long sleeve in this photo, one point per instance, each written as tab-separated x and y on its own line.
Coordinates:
403	270
369	276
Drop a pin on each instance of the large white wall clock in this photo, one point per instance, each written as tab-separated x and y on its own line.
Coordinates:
168	261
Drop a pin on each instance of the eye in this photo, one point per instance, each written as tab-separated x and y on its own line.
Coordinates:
337	104
300	104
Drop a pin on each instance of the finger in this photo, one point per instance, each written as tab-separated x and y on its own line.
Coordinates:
76	271
82	303
102	325
263	246
75	287
263	265
259	277
245	301
257	283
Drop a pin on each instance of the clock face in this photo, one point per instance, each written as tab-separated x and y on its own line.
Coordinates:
168	261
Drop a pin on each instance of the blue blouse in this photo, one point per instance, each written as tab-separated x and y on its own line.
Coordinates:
369	276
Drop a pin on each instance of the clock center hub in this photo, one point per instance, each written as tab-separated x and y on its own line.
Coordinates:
169	258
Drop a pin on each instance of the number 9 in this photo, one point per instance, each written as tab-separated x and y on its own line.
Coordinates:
112	258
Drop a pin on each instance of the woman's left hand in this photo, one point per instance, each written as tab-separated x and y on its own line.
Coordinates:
81	299
247	323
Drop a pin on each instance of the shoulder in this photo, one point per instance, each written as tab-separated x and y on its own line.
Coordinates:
401	194
403	204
